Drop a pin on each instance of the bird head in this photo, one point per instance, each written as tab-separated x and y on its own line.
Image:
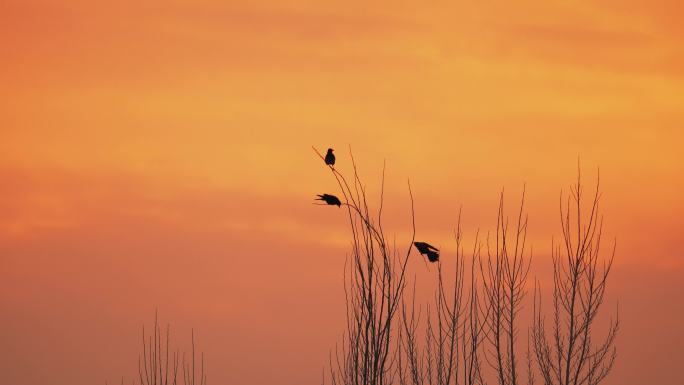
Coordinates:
330	150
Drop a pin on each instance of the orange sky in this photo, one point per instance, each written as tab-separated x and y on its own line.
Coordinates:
157	154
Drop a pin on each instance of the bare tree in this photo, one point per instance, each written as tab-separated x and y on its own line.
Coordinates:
504	277
375	283
570	356
466	323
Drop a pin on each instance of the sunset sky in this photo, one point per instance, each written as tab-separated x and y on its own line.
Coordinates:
157	155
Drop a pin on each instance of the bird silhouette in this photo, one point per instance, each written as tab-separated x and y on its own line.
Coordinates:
432	256
330	158
428	250
329	199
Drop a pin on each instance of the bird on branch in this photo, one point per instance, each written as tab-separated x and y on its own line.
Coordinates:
329	199
330	157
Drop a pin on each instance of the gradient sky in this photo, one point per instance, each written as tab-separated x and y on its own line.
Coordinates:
157	154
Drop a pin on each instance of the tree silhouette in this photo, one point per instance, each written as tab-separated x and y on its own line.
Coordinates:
388	340
579	285
375	282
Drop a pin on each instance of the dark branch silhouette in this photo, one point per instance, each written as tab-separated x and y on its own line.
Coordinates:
374	287
504	276
390	339
448	352
571	356
158	365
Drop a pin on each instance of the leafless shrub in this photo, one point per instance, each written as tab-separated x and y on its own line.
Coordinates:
158	365
153	364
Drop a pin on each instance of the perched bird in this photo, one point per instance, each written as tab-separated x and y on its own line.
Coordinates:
329	199
428	250
330	158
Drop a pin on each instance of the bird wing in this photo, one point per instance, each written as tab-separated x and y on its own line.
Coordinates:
422	247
